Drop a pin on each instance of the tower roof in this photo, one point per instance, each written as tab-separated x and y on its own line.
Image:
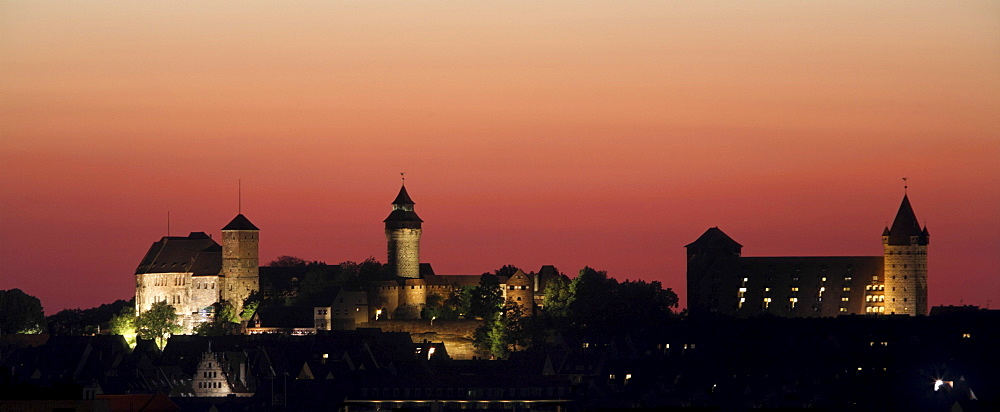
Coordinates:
714	238
402	215
904	225
403	198
240	222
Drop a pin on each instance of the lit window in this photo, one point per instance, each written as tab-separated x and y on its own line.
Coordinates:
823	279
847	289
843	309
845	299
743	289
795	288
767	289
847	279
966	335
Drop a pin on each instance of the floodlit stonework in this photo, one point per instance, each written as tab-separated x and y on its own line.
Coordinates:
193	272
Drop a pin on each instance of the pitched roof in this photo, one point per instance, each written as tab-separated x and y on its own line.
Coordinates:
520	278
904	225
197	254
240	222
714	238
403	198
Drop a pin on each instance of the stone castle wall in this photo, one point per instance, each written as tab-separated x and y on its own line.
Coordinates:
456	334
383	296
413	293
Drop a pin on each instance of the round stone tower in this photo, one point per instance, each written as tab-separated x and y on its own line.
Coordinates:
240	264
905	249
402	231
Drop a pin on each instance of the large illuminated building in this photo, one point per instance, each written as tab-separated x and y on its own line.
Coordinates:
193	272
722	281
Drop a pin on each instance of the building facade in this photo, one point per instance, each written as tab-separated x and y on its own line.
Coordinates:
722	281
191	273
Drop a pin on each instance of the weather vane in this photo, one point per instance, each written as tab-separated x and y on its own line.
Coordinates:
402	175
904	186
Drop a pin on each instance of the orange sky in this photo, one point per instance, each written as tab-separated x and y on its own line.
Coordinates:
599	133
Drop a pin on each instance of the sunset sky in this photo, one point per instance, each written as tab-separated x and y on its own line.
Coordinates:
572	133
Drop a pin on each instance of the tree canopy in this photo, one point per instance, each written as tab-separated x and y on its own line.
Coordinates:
87	321
157	323
593	304
486	299
123	324
21	313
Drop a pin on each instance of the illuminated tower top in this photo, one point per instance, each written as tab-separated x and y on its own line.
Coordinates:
905	228
402	215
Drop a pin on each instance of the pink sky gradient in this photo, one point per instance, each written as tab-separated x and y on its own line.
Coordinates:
598	133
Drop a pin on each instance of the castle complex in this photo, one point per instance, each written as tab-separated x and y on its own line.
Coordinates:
192	273
721	281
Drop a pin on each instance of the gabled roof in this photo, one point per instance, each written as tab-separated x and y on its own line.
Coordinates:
904	225
197	254
714	238
240	222
403	198
519	278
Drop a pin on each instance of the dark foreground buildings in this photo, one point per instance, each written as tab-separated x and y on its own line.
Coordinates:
939	362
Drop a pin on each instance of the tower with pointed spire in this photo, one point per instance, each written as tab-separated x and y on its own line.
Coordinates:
904	245
402	232
240	273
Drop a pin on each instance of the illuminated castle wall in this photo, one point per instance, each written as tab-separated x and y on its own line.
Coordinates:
720	280
192	272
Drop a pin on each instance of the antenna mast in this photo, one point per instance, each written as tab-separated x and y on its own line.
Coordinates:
239	196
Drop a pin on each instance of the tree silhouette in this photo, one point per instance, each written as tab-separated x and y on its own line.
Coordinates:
20	313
